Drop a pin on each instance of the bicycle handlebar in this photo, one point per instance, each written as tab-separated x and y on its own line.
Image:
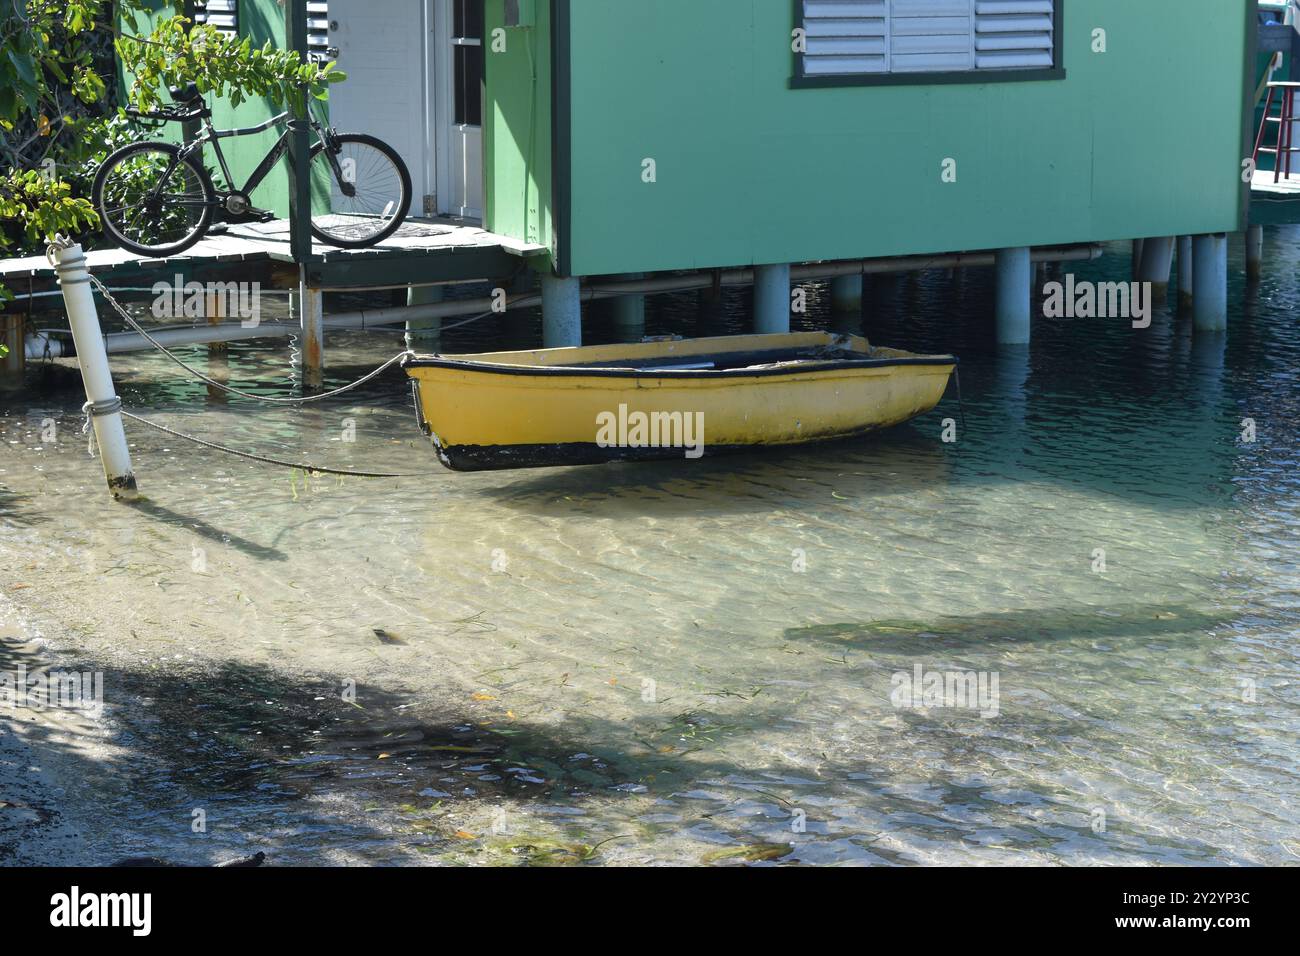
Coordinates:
166	115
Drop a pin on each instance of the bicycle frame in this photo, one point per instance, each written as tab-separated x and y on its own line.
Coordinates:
214	136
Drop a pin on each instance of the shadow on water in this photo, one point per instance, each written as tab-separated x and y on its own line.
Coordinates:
206	530
285	765
989	631
900	461
19	510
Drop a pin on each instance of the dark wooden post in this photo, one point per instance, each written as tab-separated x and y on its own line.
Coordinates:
308	298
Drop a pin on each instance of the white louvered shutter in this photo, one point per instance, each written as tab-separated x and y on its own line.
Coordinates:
930	36
846	37
318	29
222	14
1013	34
849	37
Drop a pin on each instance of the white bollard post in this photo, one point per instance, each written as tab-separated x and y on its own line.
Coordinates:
102	403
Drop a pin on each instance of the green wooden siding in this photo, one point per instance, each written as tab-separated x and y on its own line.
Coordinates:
1142	140
261	20
517	128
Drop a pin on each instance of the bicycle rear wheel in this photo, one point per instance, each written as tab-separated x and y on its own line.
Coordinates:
368	194
151	201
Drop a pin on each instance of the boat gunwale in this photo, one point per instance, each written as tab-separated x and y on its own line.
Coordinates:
757	371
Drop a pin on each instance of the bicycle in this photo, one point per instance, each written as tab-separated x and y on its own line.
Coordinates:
158	199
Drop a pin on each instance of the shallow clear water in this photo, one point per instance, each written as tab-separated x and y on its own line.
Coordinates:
699	661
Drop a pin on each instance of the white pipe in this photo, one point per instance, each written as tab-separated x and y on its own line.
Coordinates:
95	375
119	342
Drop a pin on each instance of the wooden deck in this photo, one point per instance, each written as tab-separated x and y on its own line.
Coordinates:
1271	203
422	250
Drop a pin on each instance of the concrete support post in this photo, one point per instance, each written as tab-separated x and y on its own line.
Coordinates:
561	311
1254	252
1210	278
1137	256
1014	274
1184	273
102	403
772	299
423	335
1157	261
629	312
846	294
308	303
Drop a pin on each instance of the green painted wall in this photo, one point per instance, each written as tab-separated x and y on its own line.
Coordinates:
1143	140
517	128
261	20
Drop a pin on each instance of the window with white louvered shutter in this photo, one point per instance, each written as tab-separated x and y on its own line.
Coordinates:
318	31
865	37
224	15
221	14
1013	34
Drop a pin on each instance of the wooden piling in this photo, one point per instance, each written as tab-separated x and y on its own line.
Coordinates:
1254	253
13	336
311	317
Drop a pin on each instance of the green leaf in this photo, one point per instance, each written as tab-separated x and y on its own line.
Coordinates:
23	64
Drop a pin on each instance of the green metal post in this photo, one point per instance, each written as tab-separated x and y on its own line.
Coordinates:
295	30
309	302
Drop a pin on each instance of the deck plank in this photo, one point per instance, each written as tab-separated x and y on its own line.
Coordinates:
419	244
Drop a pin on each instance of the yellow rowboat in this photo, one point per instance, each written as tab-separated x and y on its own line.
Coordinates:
666	398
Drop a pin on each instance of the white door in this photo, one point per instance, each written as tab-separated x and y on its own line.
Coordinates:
458	71
381	46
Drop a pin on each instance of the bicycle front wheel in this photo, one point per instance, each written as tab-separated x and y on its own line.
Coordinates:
151	201
361	191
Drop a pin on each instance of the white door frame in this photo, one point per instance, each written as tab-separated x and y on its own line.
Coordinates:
433	63
443	81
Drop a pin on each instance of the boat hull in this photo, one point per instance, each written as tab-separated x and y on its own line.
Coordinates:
536	409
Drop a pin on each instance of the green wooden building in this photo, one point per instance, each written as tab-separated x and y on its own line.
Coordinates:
635	137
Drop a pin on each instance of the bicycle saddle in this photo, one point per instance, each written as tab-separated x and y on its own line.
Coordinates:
185	94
